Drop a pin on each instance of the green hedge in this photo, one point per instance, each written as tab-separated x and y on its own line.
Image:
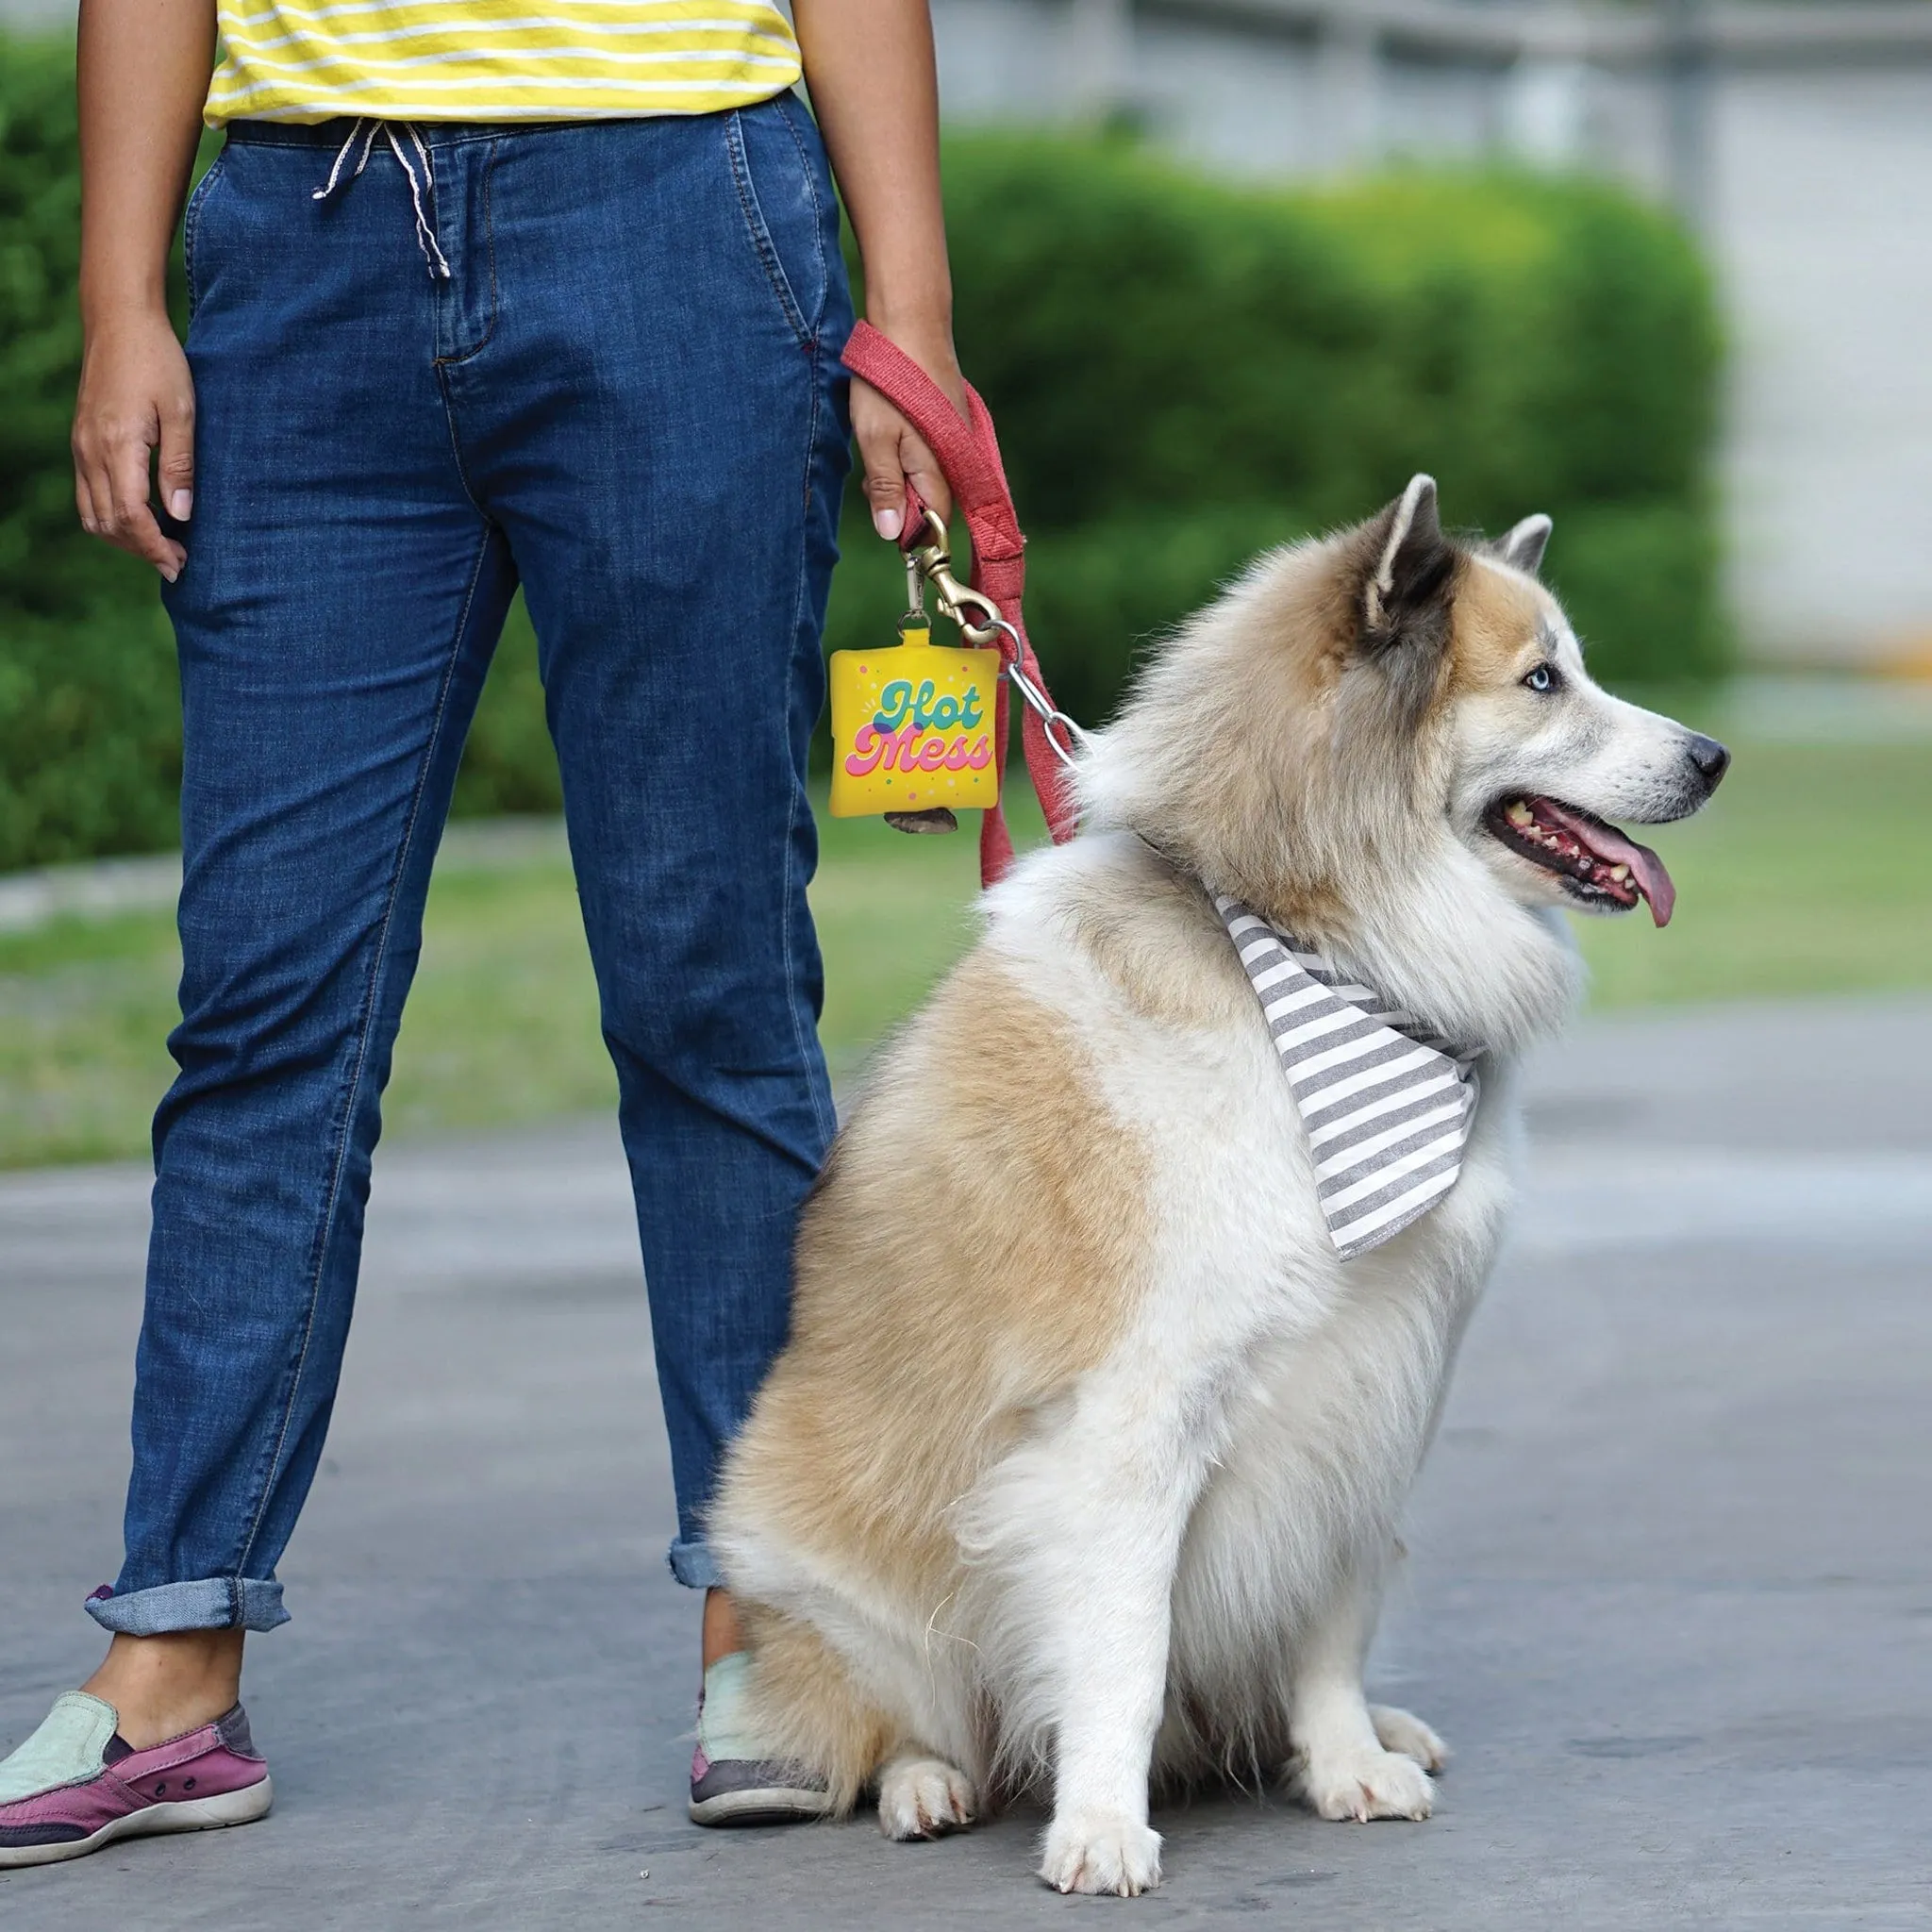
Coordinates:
1183	372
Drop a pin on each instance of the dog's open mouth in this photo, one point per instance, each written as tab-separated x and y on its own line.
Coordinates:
1598	865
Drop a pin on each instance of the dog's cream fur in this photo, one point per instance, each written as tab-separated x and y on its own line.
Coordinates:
1087	1455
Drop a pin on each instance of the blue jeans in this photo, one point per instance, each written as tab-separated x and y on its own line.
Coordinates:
626	397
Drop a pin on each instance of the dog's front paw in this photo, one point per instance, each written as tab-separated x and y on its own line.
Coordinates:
1402	1730
1361	1784
924	1797
1100	1851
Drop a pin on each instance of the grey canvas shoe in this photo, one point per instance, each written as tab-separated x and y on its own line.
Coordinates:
732	1780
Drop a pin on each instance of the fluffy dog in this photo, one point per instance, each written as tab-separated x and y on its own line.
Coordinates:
1087	1455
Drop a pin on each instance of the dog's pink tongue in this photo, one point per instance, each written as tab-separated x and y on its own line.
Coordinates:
1613	848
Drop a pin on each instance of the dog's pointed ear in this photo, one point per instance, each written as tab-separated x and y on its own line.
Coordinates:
1412	560
1523	547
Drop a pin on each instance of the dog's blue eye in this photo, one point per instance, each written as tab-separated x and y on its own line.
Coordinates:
1542	678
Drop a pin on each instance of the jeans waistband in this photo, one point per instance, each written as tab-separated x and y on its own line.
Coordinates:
332	134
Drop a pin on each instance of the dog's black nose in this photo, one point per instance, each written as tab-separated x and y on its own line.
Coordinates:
1709	757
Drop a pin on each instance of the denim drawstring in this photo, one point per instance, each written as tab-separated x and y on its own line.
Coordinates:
366	131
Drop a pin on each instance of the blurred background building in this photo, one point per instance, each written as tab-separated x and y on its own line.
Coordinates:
1797	138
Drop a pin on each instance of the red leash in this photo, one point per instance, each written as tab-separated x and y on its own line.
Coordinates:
969	454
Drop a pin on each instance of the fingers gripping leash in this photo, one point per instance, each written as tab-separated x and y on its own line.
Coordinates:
988	609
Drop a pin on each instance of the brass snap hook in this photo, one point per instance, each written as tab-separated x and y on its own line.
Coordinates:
976	614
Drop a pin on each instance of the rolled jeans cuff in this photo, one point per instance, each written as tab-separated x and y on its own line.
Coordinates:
694	1565
219	1603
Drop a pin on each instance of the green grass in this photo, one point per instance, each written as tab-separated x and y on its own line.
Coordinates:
1807	874
84	1007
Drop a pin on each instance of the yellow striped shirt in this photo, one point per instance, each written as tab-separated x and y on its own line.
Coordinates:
497	60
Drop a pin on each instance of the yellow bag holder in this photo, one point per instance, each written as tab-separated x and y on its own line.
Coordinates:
912	724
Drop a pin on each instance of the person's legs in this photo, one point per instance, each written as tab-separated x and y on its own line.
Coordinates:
336	615
636	349
658	420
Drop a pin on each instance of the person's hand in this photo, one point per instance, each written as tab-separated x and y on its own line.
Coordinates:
890	450
137	397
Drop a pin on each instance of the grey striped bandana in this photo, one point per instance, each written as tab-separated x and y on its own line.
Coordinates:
1387	1106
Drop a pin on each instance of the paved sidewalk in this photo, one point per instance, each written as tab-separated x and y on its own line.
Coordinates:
1670	1594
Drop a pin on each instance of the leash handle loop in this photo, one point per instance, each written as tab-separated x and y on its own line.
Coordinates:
969	456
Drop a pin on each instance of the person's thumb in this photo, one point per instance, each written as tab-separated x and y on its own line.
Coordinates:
174	469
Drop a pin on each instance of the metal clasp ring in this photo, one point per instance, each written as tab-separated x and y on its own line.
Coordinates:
1037	701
